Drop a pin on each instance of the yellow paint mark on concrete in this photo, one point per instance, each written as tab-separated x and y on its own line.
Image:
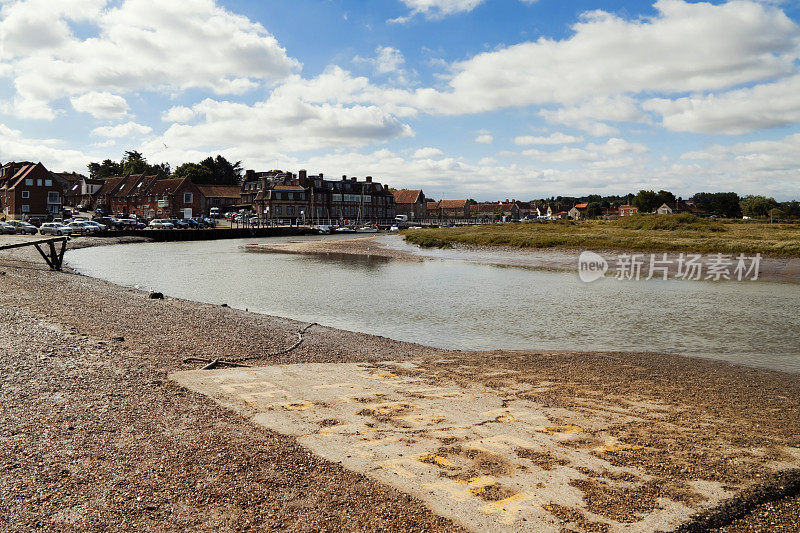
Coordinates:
259	397
397	468
561	430
509	508
302	405
420	419
388	408
461	490
437	459
233	388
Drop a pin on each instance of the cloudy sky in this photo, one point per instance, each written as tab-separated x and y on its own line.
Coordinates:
463	98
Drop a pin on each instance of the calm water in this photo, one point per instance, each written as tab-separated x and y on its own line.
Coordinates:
468	305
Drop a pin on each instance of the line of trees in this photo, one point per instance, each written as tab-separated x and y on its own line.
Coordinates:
209	171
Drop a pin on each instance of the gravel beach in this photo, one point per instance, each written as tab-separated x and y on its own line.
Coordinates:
96	437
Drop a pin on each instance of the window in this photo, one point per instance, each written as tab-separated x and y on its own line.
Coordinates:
26	194
29	182
26	208
39	182
48	183
187	197
290	210
278	210
53	197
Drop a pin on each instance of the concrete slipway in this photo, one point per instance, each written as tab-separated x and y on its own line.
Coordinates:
490	458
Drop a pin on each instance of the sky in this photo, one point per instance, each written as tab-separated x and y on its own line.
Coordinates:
483	99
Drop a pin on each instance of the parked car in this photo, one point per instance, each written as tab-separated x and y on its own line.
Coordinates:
7	229
100	227
81	228
35	221
55	228
208	222
80	219
130	223
23	227
179	223
159	223
110	222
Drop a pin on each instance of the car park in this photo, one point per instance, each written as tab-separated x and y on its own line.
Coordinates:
23	227
55	228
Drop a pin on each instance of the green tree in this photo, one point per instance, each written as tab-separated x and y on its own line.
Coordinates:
757	206
722	204
594	210
106	169
665	197
775	214
646	201
196	173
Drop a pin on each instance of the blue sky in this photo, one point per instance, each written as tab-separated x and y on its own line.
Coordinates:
463	98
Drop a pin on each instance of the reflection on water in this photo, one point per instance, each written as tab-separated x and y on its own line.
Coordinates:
467	305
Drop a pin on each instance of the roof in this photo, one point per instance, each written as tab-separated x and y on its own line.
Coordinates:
220	191
109	185
581	206
452	204
288	188
407	196
161	187
432	205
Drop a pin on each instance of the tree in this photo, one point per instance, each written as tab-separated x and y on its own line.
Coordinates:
722	204
132	162
757	206
106	169
594	210
665	197
212	171
775	214
646	201
195	172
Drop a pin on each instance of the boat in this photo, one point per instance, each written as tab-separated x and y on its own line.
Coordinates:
367	229
344	229
322	229
394	228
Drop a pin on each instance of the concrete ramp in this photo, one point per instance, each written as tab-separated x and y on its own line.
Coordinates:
482	457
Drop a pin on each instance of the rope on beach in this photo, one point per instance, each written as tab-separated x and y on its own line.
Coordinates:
237	362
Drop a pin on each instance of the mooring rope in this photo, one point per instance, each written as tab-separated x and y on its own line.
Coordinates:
237	362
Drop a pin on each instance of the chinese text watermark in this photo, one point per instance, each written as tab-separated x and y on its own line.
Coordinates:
713	267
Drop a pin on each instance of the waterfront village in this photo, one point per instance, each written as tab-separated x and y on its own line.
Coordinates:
30	192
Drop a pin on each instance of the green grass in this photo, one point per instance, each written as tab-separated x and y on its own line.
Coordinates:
684	233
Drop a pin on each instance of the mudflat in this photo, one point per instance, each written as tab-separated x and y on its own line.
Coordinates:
97	435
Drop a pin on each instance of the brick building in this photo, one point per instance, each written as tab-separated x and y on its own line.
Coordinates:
285	196
411	203
147	196
28	190
224	197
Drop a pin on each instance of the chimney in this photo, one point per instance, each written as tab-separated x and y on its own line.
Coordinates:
354	179
369	179
303	174
321	176
344	177
249	175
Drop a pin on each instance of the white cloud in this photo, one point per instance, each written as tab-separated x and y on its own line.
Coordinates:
592	115
100	104
554	138
177	114
734	112
129	129
428	153
685	47
141	44
437	9
15	147
484	138
614	153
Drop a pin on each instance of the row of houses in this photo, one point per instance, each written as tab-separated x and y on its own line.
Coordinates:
282	195
416	206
